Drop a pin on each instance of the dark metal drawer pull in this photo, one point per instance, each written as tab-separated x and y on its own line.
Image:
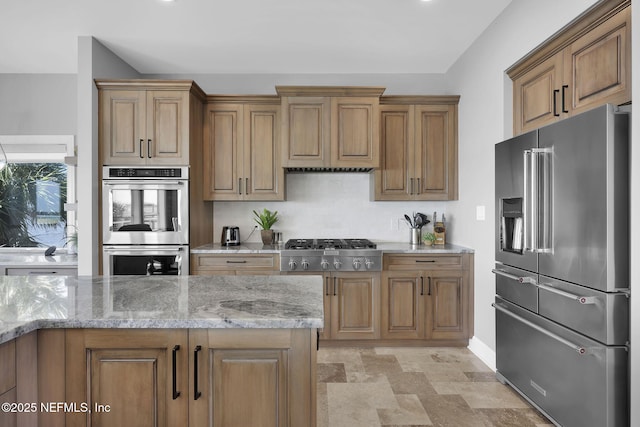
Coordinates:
425	260
174	354
196	393
236	262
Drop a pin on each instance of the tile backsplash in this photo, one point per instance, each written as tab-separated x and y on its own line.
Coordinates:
328	205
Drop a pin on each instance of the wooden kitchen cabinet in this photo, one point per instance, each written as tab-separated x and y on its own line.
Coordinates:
585	65
146	122
419	146
8	382
330	127
218	264
242	149
142	375
253	377
427	297
351	306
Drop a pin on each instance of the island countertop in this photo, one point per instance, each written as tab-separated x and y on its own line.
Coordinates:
28	303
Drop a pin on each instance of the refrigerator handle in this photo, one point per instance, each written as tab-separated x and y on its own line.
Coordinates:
578	298
527	210
519	279
537	200
578	348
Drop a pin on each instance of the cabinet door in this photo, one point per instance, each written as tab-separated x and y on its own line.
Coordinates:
122	126
436	154
598	65
354	308
402	305
394	178
537	95
263	173
355	138
223	158
132	371
447	305
167	134
250	388
306	133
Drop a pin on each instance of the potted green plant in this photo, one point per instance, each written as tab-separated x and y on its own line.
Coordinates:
429	238
265	220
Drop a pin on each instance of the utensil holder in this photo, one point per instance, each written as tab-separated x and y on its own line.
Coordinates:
416	237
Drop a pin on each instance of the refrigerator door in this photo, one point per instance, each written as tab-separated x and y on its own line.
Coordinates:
603	316
589	199
574	380
510	206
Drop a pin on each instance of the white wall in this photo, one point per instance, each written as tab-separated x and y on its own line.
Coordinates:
38	104
635	228
260	84
485	117
94	61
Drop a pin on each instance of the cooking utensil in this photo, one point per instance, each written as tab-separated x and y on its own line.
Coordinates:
425	219
406	217
417	219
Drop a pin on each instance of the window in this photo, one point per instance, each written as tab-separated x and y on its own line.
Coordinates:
36	186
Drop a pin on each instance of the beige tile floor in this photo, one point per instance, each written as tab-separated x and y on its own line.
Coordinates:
402	387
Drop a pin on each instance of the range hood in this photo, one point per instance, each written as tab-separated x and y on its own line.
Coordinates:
327	169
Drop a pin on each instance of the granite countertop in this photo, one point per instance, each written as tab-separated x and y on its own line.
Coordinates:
28	303
385	247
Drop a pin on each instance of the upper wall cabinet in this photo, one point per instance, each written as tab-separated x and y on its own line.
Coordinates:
419	148
330	127
146	122
585	65
241	150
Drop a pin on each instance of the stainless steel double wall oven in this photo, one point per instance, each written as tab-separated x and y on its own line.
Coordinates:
145	220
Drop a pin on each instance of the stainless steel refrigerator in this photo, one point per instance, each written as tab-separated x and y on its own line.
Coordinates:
562	267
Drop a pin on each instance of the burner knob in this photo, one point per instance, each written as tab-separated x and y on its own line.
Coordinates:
292	264
304	264
368	263
324	264
356	264
337	264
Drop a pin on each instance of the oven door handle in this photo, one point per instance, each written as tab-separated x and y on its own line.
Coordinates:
129	250
146	183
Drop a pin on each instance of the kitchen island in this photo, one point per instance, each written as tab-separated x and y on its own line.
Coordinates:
136	350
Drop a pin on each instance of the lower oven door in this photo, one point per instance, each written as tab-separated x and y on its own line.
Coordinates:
147	260
574	380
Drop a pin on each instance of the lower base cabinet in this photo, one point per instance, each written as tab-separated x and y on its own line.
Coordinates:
196	377
427	297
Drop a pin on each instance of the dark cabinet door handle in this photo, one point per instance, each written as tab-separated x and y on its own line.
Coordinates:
326	288
564	93
411	186
174	355
334	287
141	142
246	185
429	290
239	185
148	148
317	340
555	102
421	285
196	393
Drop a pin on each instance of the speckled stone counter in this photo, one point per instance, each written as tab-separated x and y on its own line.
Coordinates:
29	303
406	248
245	248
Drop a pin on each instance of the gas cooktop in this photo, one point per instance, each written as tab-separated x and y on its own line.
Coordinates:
321	244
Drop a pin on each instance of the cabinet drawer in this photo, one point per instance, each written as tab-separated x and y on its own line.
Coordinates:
218	263
420	262
7	366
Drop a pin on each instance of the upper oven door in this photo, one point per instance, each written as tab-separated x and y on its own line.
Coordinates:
145	211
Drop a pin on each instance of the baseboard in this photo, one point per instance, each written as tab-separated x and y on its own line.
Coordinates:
484	352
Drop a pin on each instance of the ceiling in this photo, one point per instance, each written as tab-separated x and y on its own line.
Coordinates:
245	36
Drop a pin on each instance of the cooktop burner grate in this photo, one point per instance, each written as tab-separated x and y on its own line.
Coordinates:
322	244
